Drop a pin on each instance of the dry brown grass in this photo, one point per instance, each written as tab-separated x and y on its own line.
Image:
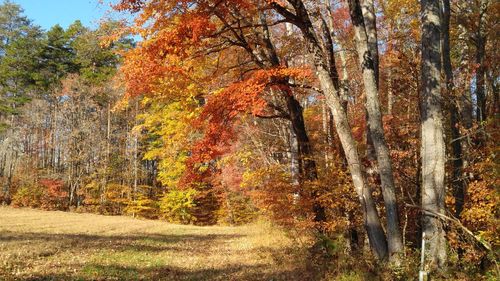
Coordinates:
42	245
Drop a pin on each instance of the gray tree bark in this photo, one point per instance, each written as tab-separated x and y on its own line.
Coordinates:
367	63
370	23
330	89
306	163
370	27
432	134
390	94
344	77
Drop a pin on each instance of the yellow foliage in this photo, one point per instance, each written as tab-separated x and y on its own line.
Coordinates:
170	124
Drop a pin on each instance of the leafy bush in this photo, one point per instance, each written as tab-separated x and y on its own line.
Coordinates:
91	196
207	204
28	196
54	196
115	199
48	194
142	206
238	209
177	206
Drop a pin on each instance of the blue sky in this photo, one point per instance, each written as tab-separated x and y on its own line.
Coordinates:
48	13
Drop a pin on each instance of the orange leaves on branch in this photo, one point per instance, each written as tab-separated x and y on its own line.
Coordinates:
174	32
178	38
221	112
142	71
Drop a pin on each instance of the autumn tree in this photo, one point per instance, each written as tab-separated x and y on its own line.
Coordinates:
367	48
256	49
300	17
433	147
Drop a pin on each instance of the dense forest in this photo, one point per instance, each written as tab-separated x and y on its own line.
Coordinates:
370	125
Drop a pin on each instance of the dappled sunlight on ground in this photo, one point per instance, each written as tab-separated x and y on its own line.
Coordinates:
41	245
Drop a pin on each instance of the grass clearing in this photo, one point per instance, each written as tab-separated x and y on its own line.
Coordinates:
43	245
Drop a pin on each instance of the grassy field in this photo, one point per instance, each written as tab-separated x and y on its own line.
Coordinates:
42	245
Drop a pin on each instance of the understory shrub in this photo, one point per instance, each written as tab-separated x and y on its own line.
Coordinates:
28	196
177	206
237	209
115	199
142	206
47	194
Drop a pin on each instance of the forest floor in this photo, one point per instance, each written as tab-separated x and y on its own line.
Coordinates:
46	245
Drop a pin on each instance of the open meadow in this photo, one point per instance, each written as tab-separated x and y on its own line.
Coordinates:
42	245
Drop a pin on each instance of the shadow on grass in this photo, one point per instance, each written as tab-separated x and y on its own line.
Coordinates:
139	242
122	257
7	236
233	272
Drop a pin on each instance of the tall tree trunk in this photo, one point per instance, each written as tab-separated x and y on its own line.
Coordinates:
370	28
480	40
480	74
12	166
493	89
136	150
327	140
433	147
104	178
394	237
465	100
458	184
370	25
465	107
390	94
295	167
371	219
344	77
309	170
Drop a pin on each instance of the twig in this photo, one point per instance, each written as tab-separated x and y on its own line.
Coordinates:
456	221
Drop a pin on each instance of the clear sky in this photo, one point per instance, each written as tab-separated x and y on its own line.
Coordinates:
47	13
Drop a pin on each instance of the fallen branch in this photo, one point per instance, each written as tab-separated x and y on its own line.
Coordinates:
456	221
